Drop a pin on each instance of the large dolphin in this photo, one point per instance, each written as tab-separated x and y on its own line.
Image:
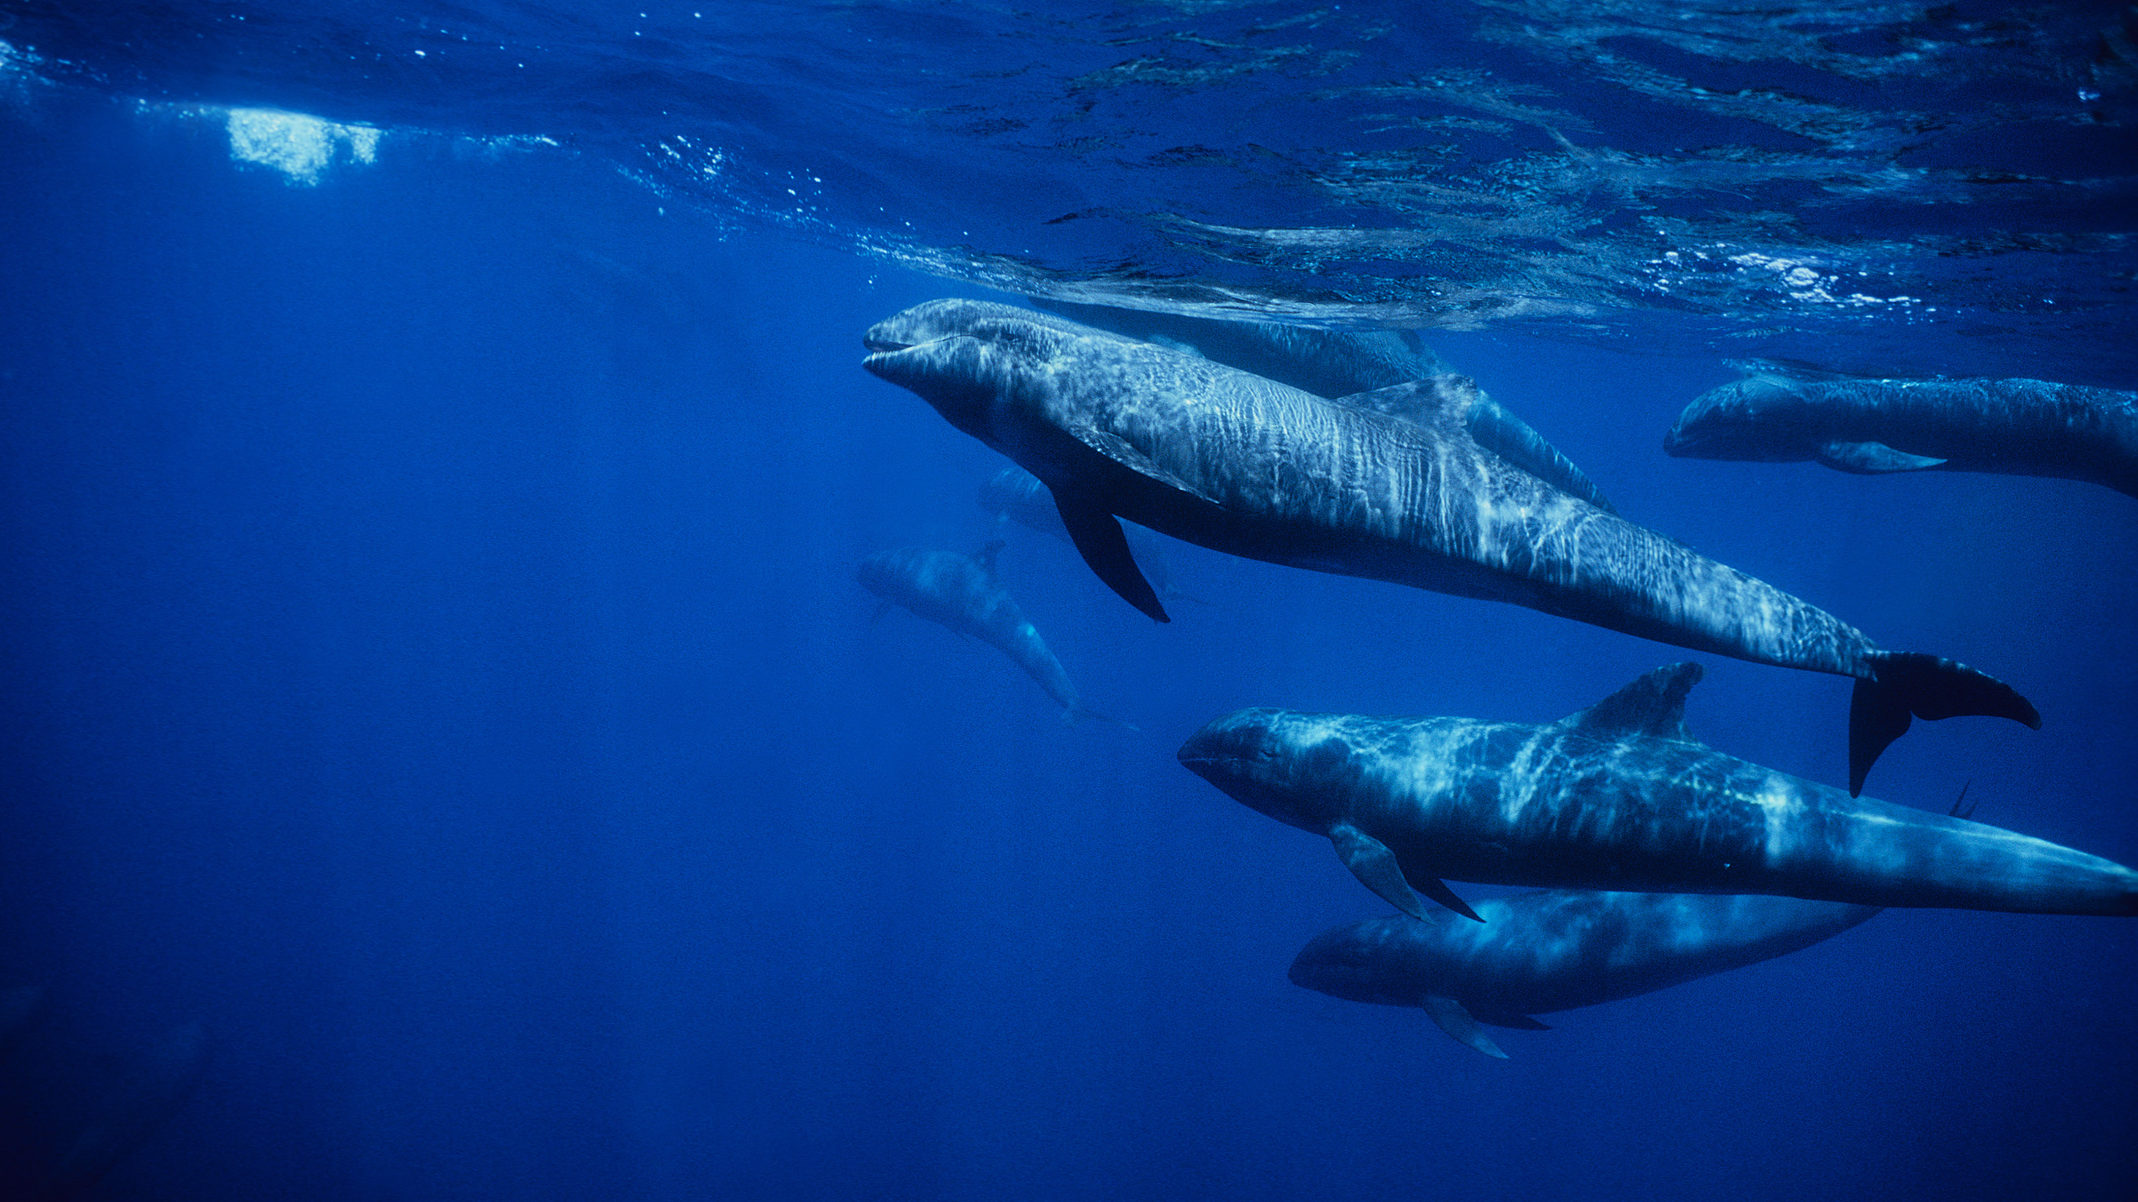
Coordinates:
1619	796
1237	463
1557	949
1353	367
2012	427
961	592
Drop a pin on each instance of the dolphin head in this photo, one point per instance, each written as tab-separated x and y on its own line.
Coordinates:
1762	417
1296	768
1377	960
967	358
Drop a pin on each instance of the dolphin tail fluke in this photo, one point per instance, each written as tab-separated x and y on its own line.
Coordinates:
1450	1016
1905	685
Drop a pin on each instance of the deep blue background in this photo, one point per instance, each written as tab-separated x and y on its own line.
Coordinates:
432	661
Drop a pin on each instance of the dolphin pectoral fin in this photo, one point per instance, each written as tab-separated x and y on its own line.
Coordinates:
1375	866
1098	538
989	553
1437	889
1873	458
1449	1015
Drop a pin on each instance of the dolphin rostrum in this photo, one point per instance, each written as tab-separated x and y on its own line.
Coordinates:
961	592
1557	949
1619	796
2011	427
1206	453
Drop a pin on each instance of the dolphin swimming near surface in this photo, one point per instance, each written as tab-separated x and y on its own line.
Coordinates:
1557	949
1206	453
1619	796
1351	367
962	593
2010	427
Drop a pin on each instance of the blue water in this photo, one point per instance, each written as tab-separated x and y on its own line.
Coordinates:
432	662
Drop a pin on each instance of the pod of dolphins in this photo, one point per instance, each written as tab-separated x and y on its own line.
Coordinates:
1659	859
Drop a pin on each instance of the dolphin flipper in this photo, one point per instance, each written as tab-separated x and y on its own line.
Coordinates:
1908	683
1873	459
1450	1016
1375	866
1098	538
1437	889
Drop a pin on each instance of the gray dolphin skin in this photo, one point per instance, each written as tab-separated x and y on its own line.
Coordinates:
1355	367
1873	427
1557	949
961	592
1619	796
1118	428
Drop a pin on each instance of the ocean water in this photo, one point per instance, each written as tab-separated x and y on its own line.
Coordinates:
446	753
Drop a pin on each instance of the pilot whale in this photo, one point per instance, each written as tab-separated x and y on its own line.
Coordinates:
1619	796
1557	949
2010	427
1118	428
961	592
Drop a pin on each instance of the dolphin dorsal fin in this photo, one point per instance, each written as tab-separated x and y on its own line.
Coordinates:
1449	402
987	555
1652	705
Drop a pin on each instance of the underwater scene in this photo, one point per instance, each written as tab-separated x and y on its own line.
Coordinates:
1174	599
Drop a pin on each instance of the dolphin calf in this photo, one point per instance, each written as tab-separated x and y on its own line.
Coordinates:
961	592
2012	427
1557	949
1206	453
1351	367
1619	796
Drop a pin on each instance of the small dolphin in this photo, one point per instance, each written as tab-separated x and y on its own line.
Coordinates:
1351	367
2011	427
1016	495
962	593
1557	949
1212	455
1619	796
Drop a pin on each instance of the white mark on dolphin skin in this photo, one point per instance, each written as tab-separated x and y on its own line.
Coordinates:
1781	808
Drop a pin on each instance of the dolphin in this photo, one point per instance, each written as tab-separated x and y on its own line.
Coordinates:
1619	796
1352	367
962	593
1557	949
2011	427
1016	495
1118	428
